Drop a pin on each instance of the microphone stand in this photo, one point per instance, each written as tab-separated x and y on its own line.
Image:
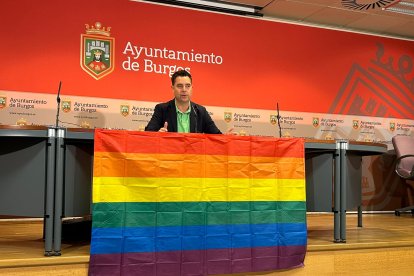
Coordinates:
58	105
278	120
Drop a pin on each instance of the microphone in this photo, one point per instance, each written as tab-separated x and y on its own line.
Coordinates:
77	125
58	104
193	107
278	120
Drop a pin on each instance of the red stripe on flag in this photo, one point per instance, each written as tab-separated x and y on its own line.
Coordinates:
173	143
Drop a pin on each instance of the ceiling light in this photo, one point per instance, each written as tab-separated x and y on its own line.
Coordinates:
403	3
211	5
402	7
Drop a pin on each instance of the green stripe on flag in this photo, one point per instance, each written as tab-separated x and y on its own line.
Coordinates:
143	214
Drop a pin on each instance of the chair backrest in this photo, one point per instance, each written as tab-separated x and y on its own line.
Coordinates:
404	149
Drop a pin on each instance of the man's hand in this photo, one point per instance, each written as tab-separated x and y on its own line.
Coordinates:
164	128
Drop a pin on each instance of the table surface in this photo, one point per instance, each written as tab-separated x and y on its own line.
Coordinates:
91	131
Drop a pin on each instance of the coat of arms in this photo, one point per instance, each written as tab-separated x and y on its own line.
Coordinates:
392	126
124	110
97	51
315	121
3	101
273	119
227	117
355	124
66	106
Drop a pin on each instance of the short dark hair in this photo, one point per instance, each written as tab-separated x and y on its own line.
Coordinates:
180	73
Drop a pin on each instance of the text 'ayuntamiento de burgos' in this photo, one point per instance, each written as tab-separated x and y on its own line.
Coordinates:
149	65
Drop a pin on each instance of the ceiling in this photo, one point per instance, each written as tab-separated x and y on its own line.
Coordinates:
367	16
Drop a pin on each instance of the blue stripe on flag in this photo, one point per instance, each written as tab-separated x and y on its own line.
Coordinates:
172	238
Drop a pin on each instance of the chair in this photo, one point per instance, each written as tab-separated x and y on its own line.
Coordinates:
404	167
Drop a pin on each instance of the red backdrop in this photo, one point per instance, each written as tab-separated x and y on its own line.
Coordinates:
303	68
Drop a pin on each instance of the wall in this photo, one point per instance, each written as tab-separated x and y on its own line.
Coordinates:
328	84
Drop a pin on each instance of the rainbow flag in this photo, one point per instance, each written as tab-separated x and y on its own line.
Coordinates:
196	204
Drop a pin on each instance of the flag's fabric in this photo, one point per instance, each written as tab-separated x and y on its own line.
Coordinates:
195	204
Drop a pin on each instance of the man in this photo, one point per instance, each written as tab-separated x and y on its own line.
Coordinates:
181	114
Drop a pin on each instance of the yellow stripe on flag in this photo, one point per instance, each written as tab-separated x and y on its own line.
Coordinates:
133	189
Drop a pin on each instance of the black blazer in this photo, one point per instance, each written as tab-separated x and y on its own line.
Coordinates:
200	120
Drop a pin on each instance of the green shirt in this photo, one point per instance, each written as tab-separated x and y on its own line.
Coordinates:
183	120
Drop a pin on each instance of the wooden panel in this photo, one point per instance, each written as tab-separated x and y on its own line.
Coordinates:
384	246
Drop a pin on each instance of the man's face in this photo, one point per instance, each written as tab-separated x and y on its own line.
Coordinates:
97	56
183	89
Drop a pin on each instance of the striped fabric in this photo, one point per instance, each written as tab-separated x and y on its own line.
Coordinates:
194	204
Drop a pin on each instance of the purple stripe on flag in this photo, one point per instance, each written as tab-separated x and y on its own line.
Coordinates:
198	262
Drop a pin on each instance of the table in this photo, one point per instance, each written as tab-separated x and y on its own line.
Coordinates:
74	165
27	160
351	176
54	167
334	173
